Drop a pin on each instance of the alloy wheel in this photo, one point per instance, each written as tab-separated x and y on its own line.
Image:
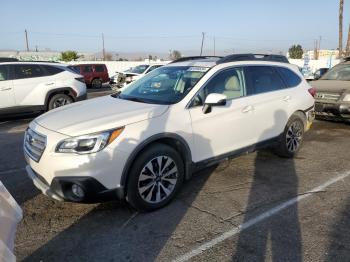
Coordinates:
158	179
294	136
61	101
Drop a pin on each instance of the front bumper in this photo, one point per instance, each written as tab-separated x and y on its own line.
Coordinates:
61	188
54	173
333	110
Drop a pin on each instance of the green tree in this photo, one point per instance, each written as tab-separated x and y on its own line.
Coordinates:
296	52
69	56
175	54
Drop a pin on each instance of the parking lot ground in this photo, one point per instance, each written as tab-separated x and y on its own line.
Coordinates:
203	222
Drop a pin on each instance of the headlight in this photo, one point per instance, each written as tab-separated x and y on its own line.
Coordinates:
88	143
346	98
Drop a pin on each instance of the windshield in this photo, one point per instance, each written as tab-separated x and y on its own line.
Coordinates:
339	72
165	85
138	69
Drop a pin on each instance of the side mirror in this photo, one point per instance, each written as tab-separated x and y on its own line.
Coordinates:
317	76
213	100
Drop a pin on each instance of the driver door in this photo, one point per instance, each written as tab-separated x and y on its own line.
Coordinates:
226	128
7	98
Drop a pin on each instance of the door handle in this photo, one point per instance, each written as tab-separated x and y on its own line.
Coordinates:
49	84
247	109
286	98
5	88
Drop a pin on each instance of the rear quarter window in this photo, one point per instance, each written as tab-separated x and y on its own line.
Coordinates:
52	70
291	78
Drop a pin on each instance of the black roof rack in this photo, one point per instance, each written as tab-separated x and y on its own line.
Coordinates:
190	58
253	57
8	59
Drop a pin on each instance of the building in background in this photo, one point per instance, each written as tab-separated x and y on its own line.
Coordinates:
323	54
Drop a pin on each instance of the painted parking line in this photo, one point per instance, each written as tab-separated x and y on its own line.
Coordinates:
197	251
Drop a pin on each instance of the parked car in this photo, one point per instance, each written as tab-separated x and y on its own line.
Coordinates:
94	74
144	141
10	215
30	86
120	79
320	72
333	93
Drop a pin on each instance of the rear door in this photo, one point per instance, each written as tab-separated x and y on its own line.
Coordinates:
101	72
269	98
7	98
30	84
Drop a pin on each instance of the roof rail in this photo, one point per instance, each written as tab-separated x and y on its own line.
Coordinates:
190	58
8	59
253	57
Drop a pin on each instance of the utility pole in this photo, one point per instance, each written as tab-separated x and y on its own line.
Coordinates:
214	45
26	35
341	9
103	47
202	43
347	49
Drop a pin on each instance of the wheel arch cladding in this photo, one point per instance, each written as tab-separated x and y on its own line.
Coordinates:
173	140
65	90
302	115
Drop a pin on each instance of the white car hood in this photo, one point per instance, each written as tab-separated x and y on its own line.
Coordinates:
98	114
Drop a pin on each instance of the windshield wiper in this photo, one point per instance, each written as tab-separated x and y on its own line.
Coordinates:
131	98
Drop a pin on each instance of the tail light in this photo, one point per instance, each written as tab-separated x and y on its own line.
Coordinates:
80	79
312	91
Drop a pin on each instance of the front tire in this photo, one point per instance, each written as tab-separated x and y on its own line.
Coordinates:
155	177
292	138
59	100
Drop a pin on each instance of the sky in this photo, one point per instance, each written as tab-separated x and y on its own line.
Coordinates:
163	25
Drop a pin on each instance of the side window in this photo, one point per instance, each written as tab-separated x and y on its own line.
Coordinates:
291	78
99	68
87	69
262	79
28	71
229	82
52	70
4	73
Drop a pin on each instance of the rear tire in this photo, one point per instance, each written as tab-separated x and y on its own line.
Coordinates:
148	189
291	140
59	100
96	83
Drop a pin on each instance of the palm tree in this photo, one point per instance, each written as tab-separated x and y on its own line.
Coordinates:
341	8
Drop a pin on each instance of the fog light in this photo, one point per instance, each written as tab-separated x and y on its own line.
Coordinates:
78	191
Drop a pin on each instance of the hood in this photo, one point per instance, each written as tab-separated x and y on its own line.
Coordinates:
97	115
335	86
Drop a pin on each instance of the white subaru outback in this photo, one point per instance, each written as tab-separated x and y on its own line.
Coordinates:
143	142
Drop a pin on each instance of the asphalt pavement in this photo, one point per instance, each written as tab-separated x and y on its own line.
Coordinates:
252	208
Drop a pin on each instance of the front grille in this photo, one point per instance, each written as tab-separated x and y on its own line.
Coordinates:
34	144
327	96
